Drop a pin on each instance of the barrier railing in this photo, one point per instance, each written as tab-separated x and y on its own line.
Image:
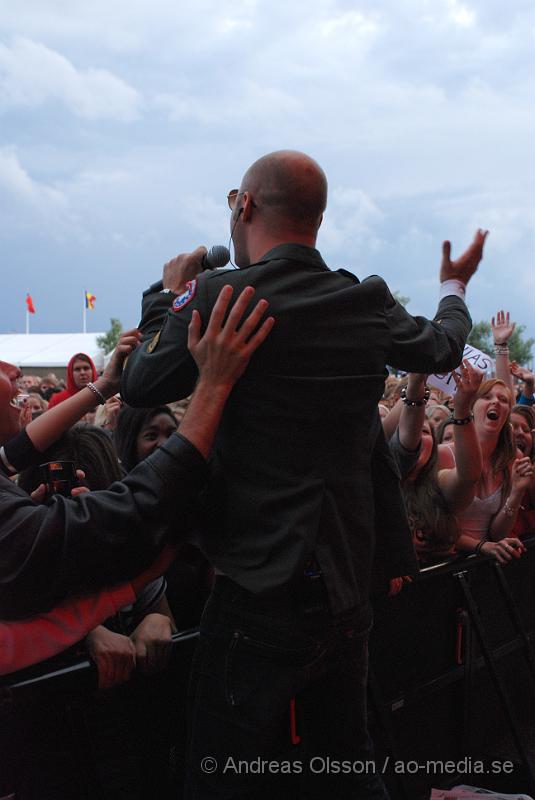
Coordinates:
452	676
442	653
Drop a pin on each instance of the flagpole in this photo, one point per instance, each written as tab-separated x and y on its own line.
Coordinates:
27	322
84	312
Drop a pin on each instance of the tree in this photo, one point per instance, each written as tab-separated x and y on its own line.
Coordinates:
108	341
519	349
401	298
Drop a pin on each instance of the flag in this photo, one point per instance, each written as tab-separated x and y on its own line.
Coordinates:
89	300
29	304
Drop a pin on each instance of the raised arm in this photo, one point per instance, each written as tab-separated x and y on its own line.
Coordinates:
421	345
502	330
458	484
412	415
526	398
40	433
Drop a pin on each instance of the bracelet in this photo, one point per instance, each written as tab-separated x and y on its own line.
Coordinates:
100	397
421	402
479	546
501	349
508	509
464	420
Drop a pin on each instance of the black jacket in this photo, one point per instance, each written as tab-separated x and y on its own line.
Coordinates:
96	539
300	466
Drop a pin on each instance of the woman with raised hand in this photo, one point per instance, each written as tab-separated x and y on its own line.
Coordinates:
487	523
437	487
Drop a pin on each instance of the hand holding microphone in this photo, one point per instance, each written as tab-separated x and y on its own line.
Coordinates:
183	268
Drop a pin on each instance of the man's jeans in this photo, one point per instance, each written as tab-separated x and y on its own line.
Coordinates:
254	657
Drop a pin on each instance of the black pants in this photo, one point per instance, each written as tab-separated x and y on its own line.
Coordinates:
253	658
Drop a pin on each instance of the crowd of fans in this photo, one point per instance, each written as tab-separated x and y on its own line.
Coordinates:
466	462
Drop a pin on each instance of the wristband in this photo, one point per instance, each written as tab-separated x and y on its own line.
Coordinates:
464	420
501	349
100	397
420	402
479	546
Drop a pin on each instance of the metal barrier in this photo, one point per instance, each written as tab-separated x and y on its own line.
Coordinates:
442	654
452	677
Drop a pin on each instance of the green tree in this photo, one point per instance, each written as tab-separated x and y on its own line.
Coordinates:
401	298
108	341
519	349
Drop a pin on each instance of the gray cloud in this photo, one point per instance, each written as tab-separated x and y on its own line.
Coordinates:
124	125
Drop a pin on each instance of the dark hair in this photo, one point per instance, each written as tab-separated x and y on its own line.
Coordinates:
90	448
129	425
529	415
427	509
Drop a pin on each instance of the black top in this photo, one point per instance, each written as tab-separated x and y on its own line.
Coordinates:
300	464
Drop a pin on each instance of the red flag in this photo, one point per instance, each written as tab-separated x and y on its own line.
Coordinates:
29	304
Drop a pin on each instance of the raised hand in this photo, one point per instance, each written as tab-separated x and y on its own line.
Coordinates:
468	380
110	380
521	474
502	327
183	268
464	267
522	373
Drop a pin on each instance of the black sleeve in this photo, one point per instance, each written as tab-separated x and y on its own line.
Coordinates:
18	453
422	345
162	370
77	545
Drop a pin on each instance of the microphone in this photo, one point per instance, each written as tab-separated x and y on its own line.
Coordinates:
216	257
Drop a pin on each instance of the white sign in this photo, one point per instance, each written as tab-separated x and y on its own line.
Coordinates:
477	359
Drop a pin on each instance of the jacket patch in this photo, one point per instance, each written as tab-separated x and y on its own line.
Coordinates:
154	341
183	299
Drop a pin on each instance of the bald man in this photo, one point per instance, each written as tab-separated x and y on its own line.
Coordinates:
302	489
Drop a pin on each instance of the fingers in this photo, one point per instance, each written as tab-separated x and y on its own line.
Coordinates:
194	329
79	490
238	310
446	253
152	656
480	237
114	668
251	322
128	342
219	310
38	495
257	339
232	324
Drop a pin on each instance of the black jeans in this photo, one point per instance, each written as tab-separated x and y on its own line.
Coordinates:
254	658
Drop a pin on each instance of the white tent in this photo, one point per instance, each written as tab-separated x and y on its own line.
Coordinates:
46	351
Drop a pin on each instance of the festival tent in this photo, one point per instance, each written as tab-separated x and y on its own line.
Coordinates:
45	352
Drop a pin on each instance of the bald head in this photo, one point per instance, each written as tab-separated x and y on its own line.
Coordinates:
290	188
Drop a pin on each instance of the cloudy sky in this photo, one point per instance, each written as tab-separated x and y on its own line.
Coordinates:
123	125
